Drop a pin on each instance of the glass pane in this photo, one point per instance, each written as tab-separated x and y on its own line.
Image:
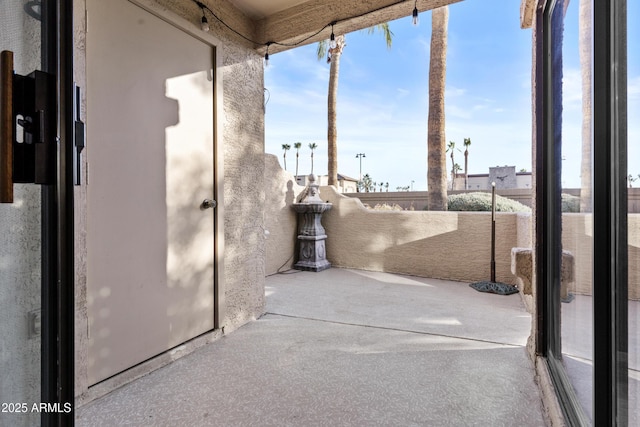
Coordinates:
633	137
20	248
576	306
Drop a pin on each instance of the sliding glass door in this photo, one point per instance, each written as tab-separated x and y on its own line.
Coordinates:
587	228
633	220
36	213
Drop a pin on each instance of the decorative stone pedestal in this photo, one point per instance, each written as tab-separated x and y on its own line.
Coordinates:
312	255
311	237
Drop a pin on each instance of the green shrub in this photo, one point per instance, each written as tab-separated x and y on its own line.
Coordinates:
482	202
387	207
570	203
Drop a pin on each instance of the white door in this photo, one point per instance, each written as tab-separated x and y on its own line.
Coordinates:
150	150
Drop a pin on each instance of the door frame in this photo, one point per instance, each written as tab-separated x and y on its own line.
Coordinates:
58	284
610	263
219	312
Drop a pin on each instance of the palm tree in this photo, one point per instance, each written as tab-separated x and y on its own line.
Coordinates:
333	50
285	147
467	144
313	146
366	183
585	41
436	159
297	146
386	186
451	148
456	168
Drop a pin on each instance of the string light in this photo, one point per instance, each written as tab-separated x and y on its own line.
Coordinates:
266	55
204	25
332	39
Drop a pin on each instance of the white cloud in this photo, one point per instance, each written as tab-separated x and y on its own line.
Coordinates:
572	89
633	88
452	91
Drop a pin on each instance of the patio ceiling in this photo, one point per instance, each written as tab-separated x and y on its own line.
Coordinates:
298	21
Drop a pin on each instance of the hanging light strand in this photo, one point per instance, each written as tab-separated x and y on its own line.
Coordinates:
414	16
205	26
332	38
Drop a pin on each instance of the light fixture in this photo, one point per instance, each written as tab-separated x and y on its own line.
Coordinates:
414	19
332	39
204	23
266	55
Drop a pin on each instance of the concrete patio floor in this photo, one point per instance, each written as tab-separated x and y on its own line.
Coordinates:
348	348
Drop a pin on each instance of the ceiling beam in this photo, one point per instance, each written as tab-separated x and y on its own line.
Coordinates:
301	22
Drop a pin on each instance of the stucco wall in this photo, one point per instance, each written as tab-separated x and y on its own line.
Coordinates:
280	219
240	168
444	245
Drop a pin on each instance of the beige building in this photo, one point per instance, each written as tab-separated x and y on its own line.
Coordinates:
345	184
505	177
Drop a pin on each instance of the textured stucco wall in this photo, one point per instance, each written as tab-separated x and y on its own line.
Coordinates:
20	274
444	245
80	211
279	217
244	193
240	167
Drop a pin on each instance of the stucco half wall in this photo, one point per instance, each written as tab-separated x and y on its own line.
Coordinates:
444	245
279	219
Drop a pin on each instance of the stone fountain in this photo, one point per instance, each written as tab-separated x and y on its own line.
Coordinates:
311	234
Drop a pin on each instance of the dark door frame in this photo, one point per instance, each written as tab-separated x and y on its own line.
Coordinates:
58	308
610	287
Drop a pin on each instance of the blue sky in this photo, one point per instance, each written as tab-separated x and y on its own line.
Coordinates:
383	97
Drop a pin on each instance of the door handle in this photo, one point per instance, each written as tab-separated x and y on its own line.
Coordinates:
27	128
6	127
208	204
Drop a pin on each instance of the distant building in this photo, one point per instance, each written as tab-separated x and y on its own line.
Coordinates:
505	178
345	184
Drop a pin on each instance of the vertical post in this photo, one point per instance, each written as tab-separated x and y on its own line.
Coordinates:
493	231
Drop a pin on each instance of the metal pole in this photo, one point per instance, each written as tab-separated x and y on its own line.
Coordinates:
493	231
360	156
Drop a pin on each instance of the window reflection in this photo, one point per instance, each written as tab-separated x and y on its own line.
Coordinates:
576	290
633	181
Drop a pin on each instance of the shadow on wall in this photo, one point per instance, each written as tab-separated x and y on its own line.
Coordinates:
280	219
444	245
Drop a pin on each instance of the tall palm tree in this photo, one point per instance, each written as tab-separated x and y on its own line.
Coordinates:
467	144
297	146
456	169
285	147
313	146
334	53
585	41
451	147
436	159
